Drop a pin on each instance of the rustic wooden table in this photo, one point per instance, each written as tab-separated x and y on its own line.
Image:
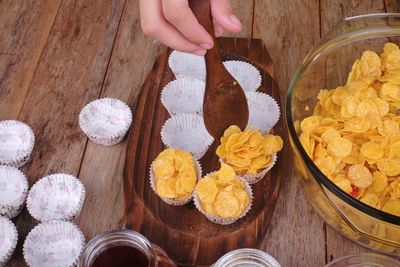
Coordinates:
57	55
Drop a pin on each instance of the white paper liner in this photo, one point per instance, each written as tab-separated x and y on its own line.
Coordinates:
170	201
184	95
57	196
105	121
219	219
8	239
187	132
264	111
246	75
13	191
16	143
187	65
54	243
254	178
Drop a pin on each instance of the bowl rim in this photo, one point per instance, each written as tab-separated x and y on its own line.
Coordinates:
314	53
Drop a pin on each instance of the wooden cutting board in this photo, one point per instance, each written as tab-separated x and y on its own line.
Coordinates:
186	235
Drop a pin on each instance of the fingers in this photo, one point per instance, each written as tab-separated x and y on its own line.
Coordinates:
154	25
179	14
218	29
223	15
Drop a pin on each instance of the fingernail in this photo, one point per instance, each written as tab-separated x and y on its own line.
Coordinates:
235	21
206	45
219	32
201	52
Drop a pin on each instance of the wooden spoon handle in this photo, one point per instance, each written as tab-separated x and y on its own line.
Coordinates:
202	11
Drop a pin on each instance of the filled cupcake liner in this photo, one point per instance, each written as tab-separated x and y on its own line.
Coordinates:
219	219
56	197
183	95
8	240
245	74
187	132
171	201
13	189
187	65
264	111
54	243
16	143
254	178
105	121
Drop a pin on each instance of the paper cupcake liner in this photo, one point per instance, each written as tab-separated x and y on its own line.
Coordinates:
56	197
13	191
219	219
171	201
246	75
16	143
8	239
187	65
184	95
254	178
264	111
187	132
54	243
105	121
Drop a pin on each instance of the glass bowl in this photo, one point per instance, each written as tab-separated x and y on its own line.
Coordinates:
363	260
327	66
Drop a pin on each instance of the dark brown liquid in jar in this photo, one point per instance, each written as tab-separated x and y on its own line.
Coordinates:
121	256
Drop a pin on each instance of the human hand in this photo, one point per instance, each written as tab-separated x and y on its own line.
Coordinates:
173	23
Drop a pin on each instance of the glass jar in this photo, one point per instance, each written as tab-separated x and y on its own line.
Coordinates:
327	66
152	255
364	259
246	257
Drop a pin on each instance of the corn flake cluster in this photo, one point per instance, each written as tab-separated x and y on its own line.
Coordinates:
223	194
353	135
248	152
174	174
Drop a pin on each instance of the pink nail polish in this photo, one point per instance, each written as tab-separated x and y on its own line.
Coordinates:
200	52
206	45
235	21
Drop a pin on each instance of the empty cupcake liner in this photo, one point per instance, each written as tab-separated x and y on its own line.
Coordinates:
187	65
184	95
264	111
57	196
105	121
8	240
16	143
187	132
54	243
13	188
219	219
246	75
171	201
254	178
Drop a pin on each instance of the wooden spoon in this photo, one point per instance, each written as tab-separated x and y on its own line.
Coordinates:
225	103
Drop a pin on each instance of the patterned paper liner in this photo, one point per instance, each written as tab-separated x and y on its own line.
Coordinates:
171	201
13	191
54	243
246	75
184	95
187	132
187	65
264	111
254	178
16	143
219	219
8	239
57	196
105	121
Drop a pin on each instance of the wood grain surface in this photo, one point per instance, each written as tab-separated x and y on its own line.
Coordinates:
57	55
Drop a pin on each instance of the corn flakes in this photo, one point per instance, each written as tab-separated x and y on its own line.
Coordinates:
353	135
222	193
174	174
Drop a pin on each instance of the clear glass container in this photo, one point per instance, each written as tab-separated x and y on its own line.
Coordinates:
155	255
246	257
327	66
364	260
